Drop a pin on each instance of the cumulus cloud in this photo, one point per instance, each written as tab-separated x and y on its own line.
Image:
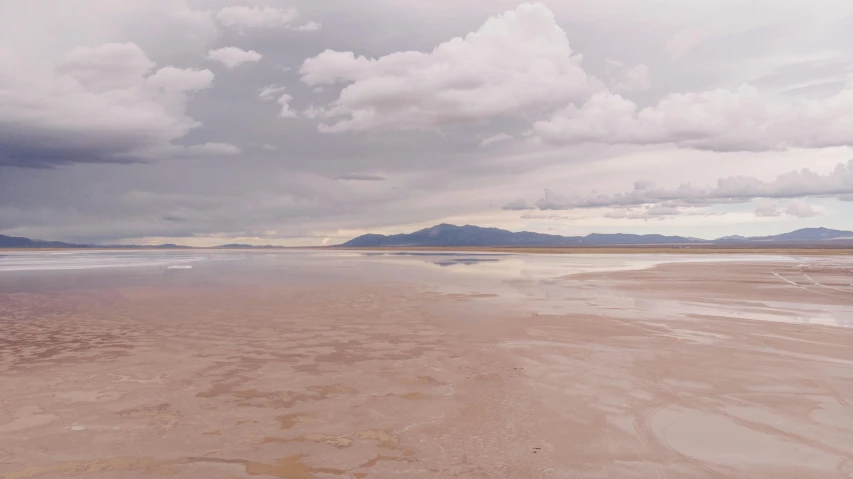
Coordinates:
104	104
795	184
624	79
515	64
232	57
286	110
765	208
800	208
718	120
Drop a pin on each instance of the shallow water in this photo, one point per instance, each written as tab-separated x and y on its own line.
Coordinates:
527	283
298	363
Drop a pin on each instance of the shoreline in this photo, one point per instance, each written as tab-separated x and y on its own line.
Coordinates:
794	250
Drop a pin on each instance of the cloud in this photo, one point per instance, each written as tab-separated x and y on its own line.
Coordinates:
256	17
631	79
309	27
213	148
360	177
650	212
531	215
518	205
517	63
286	110
167	30
242	17
269	92
683	41
232	57
800	208
765	208
716	120
495	139
795	184
104	104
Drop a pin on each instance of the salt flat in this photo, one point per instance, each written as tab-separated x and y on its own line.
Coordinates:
433	364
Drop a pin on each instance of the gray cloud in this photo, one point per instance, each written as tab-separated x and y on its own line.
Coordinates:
244	17
256	17
360	177
105	104
650	212
794	184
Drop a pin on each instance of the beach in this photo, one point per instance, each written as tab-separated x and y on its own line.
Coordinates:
388	364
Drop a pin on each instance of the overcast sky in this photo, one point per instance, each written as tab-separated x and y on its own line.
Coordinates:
204	122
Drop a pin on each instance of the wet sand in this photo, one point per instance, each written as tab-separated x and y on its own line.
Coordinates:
684	370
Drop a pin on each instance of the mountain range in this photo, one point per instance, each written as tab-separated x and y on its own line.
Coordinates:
21	242
468	235
452	235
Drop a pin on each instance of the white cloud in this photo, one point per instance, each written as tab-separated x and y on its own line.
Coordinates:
256	17
98	104
718	120
232	57
286	110
800	208
517	63
269	92
309	27
495	139
765	208
735	189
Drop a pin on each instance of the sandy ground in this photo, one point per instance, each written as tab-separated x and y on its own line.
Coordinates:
393	380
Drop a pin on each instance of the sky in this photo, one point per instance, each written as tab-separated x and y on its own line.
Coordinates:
204	122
